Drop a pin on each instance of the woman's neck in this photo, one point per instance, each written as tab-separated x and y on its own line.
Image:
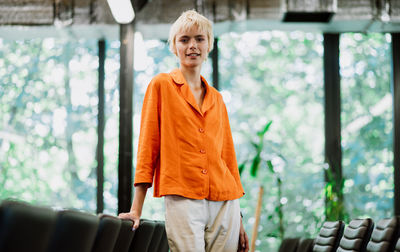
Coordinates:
192	76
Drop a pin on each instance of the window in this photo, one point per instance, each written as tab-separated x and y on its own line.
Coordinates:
278	76
48	98
367	127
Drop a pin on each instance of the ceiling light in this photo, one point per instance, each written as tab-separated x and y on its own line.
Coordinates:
122	11
63	12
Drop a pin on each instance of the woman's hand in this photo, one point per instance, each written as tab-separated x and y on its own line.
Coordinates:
243	239
137	205
133	217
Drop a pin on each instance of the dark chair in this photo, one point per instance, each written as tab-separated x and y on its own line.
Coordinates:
289	245
107	233
384	235
397	249
163	247
305	245
329	236
356	235
125	236
157	236
143	235
75	231
25	227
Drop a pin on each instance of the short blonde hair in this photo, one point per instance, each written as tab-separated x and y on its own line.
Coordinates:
187	20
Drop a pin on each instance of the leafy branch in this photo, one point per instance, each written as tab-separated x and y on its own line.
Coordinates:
333	190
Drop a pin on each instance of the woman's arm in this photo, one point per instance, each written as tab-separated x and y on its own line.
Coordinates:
148	151
137	205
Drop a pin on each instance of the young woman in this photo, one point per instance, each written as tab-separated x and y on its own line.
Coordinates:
186	150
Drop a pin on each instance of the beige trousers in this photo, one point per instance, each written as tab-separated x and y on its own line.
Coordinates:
202	225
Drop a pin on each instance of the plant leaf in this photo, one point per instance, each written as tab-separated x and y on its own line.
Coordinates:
241	167
266	128
270	166
254	165
254	145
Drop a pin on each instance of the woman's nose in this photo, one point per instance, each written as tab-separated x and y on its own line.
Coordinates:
193	43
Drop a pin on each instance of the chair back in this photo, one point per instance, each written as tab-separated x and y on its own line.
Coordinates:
397	248
107	233
75	231
305	245
125	236
329	236
163	247
24	227
289	245
143	236
384	235
157	236
356	235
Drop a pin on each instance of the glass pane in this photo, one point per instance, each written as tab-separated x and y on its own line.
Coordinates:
48	117
367	124
277	76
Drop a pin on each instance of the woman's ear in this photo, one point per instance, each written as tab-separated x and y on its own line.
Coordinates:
209	49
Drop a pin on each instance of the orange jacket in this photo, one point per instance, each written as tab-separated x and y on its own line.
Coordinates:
188	151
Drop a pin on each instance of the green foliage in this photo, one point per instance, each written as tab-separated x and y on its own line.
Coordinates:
367	128
277	76
241	168
259	147
333	190
48	135
258	161
254	165
270	166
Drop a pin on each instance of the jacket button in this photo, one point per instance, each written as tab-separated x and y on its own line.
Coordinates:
202	151
204	171
201	130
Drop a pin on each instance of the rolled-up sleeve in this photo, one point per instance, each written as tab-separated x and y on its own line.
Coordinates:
149	138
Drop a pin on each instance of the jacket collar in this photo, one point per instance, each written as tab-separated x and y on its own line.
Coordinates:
187	94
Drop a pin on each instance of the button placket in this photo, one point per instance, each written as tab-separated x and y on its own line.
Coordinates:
203	148
203	139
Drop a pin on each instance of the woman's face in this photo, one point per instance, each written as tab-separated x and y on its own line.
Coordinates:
191	47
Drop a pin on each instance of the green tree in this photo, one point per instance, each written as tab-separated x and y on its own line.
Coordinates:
48	119
367	129
278	76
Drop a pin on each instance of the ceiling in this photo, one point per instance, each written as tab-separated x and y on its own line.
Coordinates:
93	19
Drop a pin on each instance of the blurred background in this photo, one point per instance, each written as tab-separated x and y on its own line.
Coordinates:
312	90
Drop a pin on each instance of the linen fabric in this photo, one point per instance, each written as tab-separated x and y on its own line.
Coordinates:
188	150
202	225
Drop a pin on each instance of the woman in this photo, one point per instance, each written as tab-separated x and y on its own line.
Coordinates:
186	150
